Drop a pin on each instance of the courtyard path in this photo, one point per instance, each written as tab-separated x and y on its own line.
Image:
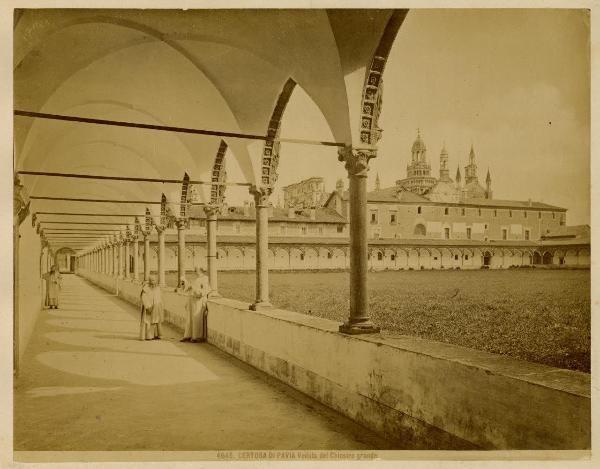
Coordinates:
88	384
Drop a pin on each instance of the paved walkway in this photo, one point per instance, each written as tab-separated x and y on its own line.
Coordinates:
88	384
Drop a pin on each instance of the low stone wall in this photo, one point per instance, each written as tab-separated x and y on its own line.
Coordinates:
426	394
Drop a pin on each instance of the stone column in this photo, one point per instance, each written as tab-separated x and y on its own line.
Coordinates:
115	260
120	259
127	262
146	257
161	256
211	241
135	258
357	164
181	225
261	199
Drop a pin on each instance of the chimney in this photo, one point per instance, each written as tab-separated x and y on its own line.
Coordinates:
291	212
246	208
313	213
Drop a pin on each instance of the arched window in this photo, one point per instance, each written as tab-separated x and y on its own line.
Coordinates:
379	256
418	209
446	211
420	230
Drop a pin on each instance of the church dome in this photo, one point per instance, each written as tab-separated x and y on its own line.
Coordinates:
419	144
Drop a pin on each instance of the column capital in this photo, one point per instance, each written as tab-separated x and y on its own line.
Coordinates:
261	195
160	228
211	210
182	223
356	159
20	201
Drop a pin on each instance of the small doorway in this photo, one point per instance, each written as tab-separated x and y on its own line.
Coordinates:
487	258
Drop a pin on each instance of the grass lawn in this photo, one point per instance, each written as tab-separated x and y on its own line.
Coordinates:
537	315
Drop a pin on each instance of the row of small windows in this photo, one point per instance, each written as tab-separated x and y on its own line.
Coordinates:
420	230
393	257
463	212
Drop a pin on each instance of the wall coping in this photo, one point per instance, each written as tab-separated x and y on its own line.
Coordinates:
568	381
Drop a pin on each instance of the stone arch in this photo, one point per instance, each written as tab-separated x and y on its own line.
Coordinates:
435	261
270	155
219	176
583	256
372	88
486	257
325	257
281	259
221	260
424	256
377	258
537	258
64	259
249	256
339	258
235	258
547	258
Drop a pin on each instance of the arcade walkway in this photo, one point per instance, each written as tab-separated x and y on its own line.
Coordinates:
88	384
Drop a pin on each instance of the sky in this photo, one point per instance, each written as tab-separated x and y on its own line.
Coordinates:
512	83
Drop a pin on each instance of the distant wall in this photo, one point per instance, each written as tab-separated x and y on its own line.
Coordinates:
431	394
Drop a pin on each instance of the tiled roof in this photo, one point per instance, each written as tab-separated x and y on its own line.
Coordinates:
575	231
393	195
322	215
512	204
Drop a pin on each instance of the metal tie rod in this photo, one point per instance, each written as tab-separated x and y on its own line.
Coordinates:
91	214
83	223
69	199
79	230
131	179
185	130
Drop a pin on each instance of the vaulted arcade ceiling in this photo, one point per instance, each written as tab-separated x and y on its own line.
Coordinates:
207	69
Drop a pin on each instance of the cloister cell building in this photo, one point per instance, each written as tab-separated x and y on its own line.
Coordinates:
422	222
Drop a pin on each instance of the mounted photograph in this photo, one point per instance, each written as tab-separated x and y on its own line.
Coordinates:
301	234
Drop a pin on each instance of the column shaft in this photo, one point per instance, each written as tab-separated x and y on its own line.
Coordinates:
127	261
211	238
262	249
147	258
357	166
180	251
161	257
135	259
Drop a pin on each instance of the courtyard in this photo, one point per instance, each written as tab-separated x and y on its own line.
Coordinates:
537	315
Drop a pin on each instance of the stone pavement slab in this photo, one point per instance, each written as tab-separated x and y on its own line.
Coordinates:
88	384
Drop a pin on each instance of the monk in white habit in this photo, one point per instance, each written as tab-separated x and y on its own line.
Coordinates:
196	308
53	286
157	315
147	302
